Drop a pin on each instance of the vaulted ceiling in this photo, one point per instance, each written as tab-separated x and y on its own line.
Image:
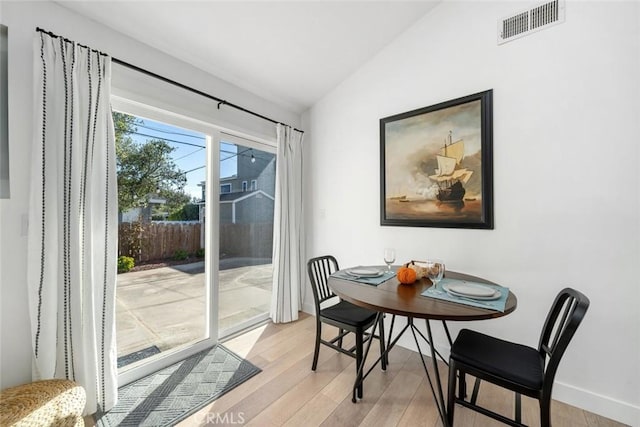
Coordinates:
291	52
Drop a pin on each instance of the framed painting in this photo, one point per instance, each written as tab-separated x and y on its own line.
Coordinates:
436	165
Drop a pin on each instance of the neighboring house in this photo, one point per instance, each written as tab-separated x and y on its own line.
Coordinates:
131	215
142	213
246	207
259	174
246	196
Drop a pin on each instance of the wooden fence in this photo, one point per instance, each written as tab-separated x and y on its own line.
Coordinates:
160	240
157	241
253	240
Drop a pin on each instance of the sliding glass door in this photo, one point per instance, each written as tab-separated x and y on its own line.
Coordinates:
246	207
195	236
164	309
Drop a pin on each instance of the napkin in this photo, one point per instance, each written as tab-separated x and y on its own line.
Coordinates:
368	280
498	304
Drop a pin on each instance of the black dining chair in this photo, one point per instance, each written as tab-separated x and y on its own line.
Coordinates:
521	369
347	317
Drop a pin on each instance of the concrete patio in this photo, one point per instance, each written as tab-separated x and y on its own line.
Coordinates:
165	307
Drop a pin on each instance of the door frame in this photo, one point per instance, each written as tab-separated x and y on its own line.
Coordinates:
215	134
154	363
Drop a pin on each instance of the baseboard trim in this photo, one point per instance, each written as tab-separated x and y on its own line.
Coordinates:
309	308
606	406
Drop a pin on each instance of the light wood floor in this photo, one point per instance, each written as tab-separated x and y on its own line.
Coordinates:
288	393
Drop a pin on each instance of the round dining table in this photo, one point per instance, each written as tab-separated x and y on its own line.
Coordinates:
407	300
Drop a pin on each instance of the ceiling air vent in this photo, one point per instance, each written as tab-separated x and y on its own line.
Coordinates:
530	21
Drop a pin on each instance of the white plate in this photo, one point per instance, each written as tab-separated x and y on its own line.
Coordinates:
489	298
472	291
364	272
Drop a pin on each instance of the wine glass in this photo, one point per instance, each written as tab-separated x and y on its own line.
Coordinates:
389	257
435	271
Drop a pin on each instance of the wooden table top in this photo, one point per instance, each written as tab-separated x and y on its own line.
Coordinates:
405	300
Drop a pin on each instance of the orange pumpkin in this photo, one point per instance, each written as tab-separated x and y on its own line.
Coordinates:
406	275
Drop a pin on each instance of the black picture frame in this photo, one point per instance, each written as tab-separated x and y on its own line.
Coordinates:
436	165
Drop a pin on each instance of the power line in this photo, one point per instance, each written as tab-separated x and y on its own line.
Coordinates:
194	145
169	132
200	147
242	153
168	140
234	154
194	169
187	155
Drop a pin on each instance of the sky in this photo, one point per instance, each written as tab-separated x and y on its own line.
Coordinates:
413	142
189	152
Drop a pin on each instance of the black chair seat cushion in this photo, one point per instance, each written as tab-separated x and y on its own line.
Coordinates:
349	314
513	362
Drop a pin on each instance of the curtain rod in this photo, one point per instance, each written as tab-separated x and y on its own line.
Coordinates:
173	82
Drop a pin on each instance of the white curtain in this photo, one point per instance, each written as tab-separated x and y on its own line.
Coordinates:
288	233
73	220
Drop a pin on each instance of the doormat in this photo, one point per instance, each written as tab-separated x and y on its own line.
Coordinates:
173	393
137	355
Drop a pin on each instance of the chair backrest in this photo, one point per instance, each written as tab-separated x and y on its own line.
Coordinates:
563	320
319	269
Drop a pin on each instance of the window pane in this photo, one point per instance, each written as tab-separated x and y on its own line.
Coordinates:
161	291
246	237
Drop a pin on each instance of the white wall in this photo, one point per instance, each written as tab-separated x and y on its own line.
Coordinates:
22	19
566	161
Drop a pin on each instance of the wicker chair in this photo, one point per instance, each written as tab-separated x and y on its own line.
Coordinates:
43	403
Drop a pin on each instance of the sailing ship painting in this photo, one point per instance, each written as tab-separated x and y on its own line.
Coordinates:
449	175
436	165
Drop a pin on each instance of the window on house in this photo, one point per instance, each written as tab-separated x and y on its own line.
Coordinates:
225	188
244	185
254	184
